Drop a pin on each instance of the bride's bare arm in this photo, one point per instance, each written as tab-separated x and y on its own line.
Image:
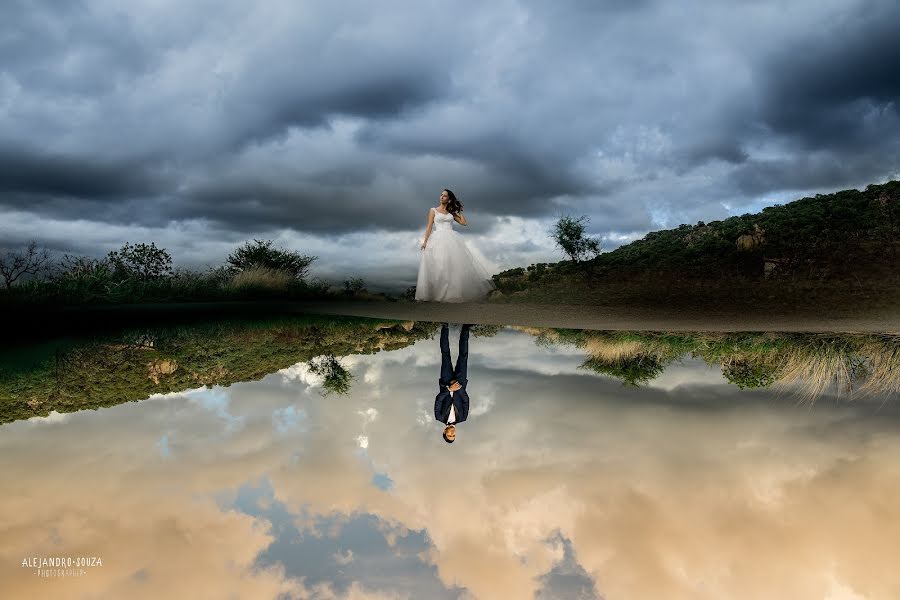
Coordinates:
428	228
460	218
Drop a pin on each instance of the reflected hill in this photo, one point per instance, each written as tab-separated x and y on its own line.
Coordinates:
806	364
73	376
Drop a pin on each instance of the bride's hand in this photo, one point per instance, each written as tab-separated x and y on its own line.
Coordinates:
423	245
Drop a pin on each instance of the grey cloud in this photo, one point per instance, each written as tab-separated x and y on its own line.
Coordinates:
567	579
805	172
70	47
390	567
728	150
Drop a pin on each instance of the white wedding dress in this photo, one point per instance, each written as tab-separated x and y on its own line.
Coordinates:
449	271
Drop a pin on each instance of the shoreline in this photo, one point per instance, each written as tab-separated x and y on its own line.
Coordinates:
30	325
618	318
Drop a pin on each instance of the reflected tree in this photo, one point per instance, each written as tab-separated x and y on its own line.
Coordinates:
633	371
485	330
336	378
748	374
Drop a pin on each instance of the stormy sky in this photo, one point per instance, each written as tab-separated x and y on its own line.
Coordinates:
332	127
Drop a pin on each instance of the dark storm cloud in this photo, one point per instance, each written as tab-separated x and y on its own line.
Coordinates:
47	177
520	178
836	88
254	205
306	90
830	97
806	172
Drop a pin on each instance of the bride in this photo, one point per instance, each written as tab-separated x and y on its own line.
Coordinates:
448	270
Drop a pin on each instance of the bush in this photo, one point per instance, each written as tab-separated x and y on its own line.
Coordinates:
317	287
354	286
260	253
141	262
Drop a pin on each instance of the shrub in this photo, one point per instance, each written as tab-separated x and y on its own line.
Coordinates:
354	286
142	262
260	253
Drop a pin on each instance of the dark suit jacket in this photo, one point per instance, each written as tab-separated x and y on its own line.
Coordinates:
460	401
460	398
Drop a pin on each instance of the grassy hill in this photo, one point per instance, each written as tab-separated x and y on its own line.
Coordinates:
840	244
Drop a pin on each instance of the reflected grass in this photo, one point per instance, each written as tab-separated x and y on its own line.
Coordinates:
89	374
807	365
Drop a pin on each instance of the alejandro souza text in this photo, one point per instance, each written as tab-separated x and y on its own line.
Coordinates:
38	562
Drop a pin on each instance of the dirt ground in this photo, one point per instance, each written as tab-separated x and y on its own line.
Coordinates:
884	320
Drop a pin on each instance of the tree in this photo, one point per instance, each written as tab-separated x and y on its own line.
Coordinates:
260	253
568	233
140	261
30	261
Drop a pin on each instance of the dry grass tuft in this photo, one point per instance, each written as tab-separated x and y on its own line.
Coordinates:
814	370
615	351
260	278
884	366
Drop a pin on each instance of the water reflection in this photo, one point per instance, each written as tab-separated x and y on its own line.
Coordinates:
567	484
128	367
451	405
807	364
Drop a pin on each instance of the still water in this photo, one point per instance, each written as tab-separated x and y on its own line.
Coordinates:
302	459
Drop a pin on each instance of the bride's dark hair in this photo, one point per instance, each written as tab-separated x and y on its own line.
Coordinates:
454	207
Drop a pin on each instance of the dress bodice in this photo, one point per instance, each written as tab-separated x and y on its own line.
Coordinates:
442	220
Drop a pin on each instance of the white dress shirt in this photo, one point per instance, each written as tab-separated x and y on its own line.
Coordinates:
452	418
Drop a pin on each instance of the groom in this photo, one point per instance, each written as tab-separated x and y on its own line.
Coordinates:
451	405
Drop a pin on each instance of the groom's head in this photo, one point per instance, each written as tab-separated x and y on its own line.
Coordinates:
449	434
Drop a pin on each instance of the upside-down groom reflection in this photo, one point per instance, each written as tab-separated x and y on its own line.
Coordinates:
451	405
